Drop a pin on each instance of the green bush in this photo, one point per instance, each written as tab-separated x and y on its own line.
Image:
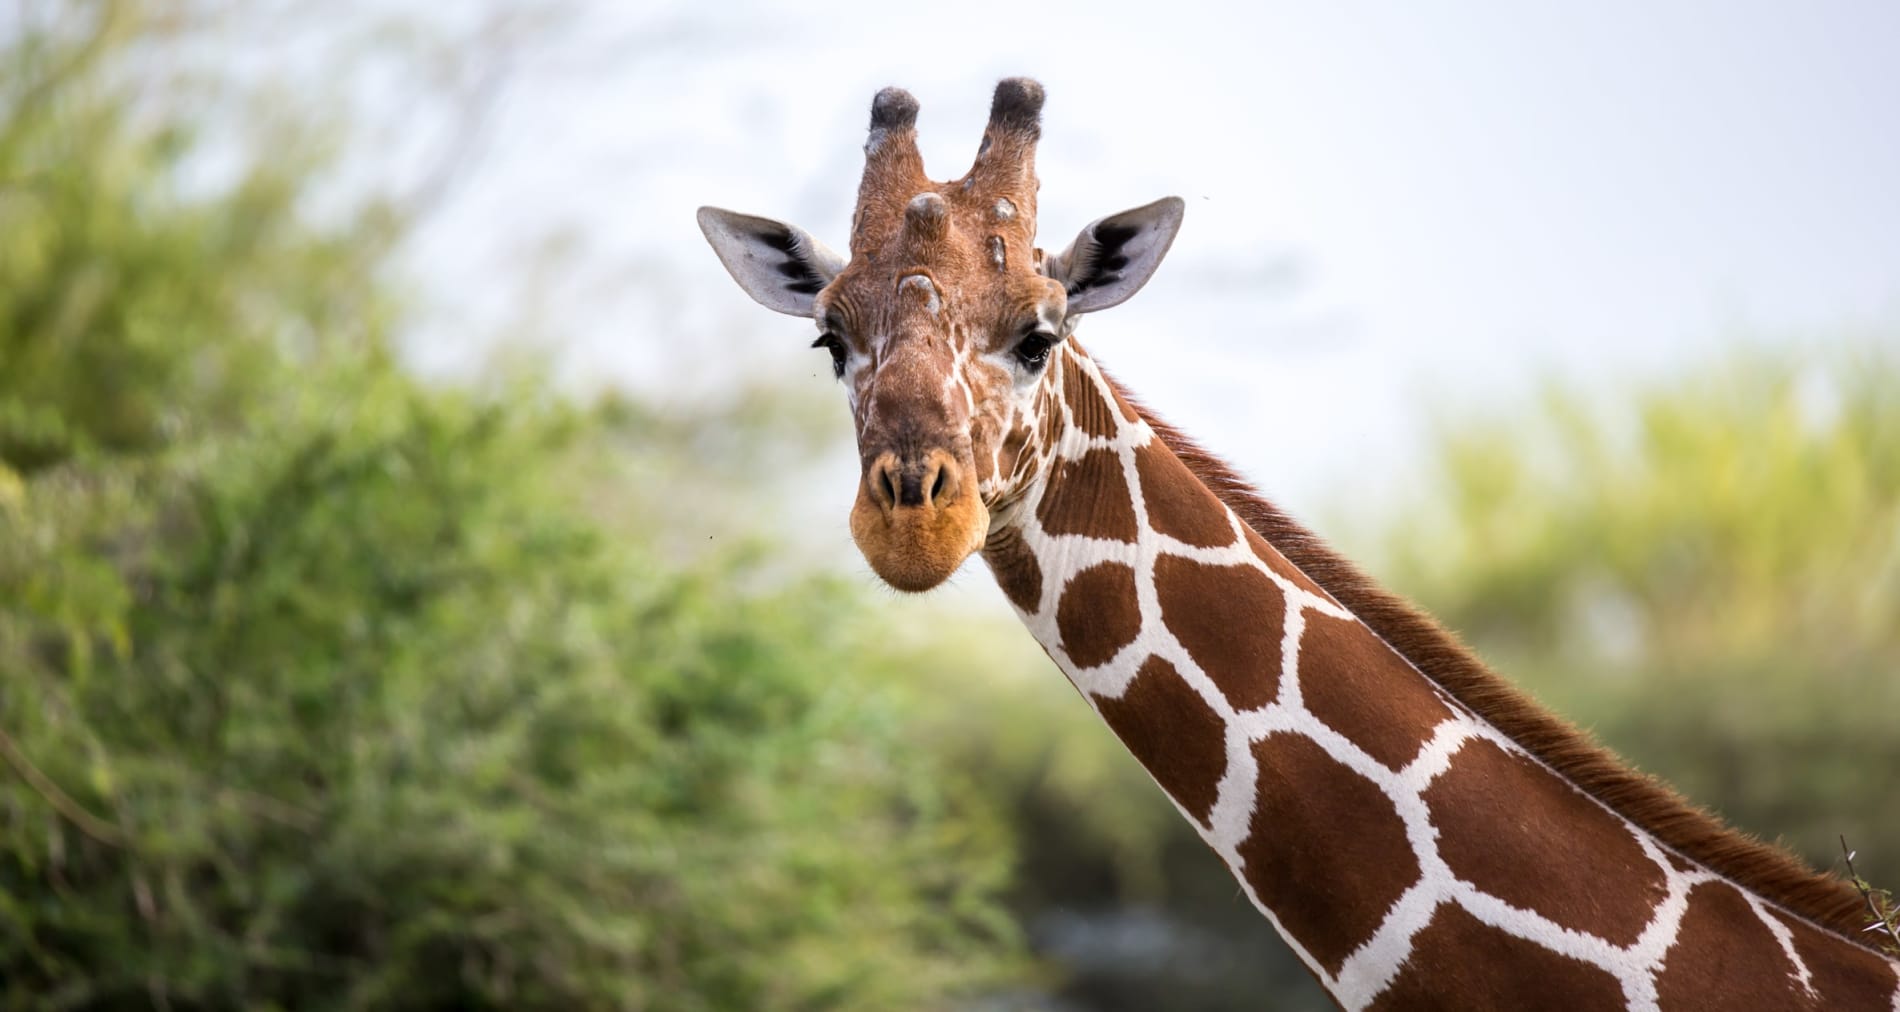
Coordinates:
360	710
324	688
130	314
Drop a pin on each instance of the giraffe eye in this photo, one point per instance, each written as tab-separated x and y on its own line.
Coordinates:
834	344
1033	350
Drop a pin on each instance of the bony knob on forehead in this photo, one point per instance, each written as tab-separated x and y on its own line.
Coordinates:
926	217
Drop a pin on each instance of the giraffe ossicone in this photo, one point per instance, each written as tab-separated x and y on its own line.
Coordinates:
1420	833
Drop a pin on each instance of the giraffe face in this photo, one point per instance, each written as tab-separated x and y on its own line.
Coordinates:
943	353
942	324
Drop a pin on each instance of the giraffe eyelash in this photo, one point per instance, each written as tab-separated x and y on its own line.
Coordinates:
834	344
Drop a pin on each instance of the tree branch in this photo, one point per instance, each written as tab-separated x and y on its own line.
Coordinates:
63	803
1887	919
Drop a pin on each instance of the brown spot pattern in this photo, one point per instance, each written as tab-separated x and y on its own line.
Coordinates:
1175	734
1460	962
1092	415
1089	496
1048	419
1357	686
1097	615
1012	452
983	433
1178	504
1844	976
1330	862
1725	957
1230	618
1016	571
1514	830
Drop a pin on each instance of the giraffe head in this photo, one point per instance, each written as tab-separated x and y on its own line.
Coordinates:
942	323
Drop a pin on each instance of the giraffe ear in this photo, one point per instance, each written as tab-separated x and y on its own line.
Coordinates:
1116	255
781	266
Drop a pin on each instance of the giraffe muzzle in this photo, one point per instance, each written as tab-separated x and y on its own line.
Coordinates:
917	517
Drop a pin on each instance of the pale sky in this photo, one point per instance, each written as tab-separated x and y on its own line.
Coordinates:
1389	205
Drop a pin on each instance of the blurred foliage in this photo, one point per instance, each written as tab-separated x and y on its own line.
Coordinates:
201	298
1706	571
326	688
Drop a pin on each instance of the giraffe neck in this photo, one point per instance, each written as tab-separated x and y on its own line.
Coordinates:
1385	829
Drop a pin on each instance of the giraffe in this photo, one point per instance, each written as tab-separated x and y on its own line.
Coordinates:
1419	832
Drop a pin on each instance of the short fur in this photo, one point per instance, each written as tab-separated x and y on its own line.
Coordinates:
1768	871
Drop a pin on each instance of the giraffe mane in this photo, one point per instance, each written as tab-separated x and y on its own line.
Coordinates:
1769	871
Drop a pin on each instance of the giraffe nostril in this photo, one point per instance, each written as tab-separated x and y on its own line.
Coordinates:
881	484
944	482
